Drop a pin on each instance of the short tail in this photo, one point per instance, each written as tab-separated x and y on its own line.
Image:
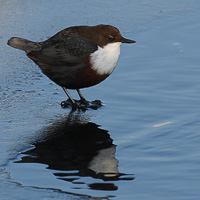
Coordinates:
23	44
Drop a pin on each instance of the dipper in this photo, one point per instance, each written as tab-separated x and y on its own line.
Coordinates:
76	57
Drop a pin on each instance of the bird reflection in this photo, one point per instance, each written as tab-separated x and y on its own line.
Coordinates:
77	148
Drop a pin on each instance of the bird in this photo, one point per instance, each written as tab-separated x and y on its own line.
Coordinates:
76	57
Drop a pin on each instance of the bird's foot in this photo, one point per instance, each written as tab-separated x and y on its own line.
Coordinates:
82	104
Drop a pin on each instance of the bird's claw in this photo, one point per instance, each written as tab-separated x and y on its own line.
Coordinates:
82	104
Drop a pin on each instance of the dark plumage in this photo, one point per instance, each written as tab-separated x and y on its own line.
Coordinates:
66	57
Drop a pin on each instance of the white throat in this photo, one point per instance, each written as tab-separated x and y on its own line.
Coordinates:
104	60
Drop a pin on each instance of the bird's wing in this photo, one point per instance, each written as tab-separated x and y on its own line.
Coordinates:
66	51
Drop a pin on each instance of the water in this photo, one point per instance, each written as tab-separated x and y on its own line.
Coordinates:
143	144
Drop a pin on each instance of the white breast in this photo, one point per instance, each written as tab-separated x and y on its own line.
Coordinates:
104	60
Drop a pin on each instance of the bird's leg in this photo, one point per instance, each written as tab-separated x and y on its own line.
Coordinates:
90	104
82	104
67	93
81	96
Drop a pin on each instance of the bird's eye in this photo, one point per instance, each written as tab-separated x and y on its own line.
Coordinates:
110	37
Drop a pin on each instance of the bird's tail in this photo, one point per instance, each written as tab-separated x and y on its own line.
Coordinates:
23	44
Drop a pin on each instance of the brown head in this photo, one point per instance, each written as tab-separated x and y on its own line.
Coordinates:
103	34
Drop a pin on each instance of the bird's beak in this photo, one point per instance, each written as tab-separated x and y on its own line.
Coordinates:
128	41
